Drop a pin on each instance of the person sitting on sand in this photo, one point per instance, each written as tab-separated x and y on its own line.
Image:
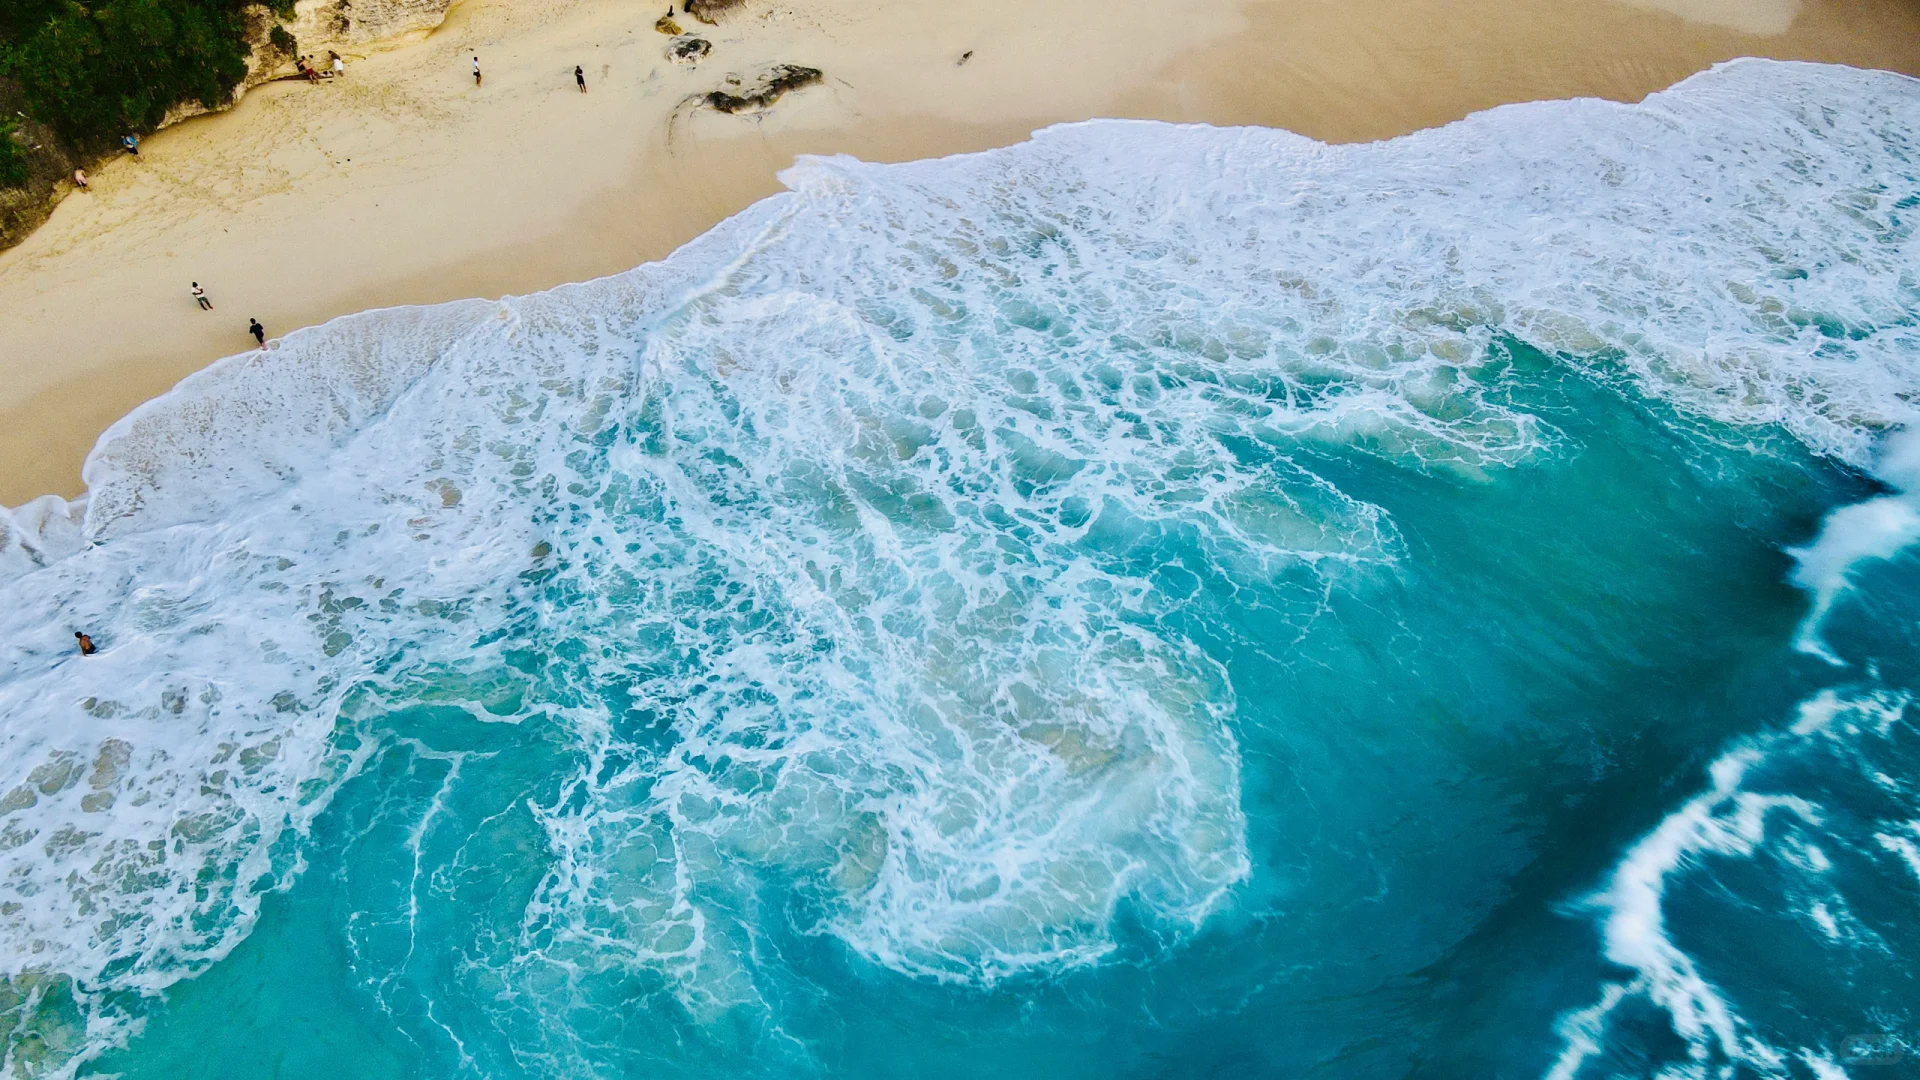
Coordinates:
259	332
85	643
200	295
131	142
80	179
580	77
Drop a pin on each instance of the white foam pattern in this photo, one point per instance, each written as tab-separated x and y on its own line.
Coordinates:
881	505
1844	739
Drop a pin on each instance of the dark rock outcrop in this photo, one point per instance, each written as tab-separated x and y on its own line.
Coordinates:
688	50
763	91
50	165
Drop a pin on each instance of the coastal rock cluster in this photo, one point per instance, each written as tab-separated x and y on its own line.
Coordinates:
320	26
763	90
367	22
688	50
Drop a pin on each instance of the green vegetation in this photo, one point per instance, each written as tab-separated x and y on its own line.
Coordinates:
13	156
94	69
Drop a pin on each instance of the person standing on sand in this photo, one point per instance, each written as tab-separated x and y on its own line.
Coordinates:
200	295
259	332
80	179
339	65
476	71
86	643
580	77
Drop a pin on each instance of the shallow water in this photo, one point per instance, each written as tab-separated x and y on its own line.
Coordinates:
1150	601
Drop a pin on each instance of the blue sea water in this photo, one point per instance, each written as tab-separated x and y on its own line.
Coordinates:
1148	602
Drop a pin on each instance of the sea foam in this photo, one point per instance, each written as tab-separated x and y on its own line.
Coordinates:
834	537
1751	811
1872	530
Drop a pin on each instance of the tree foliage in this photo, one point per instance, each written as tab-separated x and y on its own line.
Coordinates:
94	70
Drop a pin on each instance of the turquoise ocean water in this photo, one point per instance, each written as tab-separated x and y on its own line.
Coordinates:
1148	602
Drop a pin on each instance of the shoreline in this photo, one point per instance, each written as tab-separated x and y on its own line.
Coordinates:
404	186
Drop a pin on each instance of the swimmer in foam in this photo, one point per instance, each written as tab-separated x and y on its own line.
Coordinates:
87	647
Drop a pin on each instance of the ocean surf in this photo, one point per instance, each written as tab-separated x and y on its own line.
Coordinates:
1148	601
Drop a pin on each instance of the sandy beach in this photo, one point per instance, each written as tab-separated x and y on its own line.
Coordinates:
404	183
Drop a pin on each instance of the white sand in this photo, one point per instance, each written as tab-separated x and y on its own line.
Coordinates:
406	184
